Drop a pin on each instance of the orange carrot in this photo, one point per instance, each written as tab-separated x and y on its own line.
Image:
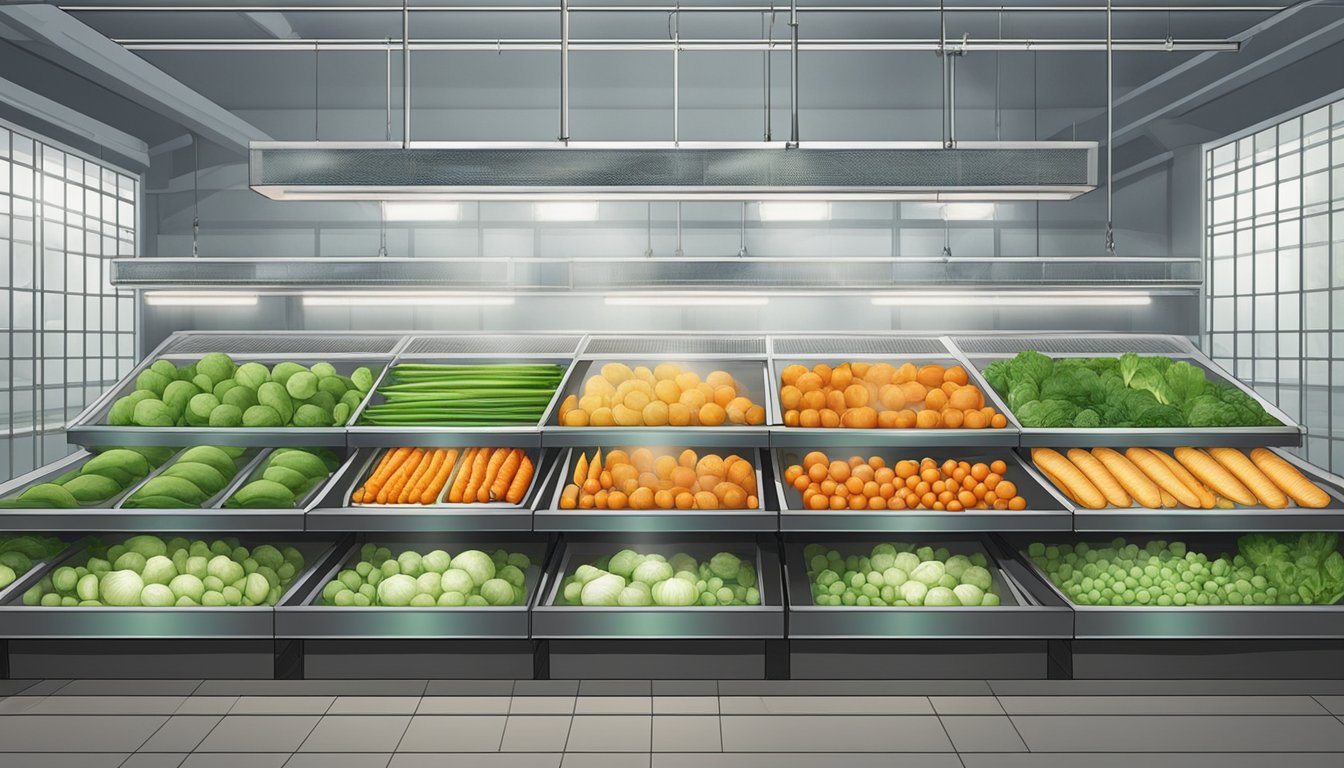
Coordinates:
1289	479
477	475
463	475
389	492
581	469
1214	475
390	461
427	469
426	461
1250	475
518	488
507	470
431	490
1206	499
491	471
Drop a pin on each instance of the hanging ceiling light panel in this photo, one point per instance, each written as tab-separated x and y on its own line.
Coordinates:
812	171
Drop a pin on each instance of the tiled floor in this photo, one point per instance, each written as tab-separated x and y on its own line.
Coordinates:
669	724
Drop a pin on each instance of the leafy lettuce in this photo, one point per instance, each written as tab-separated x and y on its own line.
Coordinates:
1129	391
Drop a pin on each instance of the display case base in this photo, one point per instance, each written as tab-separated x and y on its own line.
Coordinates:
665	659
918	659
151	659
418	659
1207	659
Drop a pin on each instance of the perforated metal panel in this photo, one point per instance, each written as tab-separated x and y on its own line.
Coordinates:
856	345
283	344
1088	345
492	344
737	346
282	171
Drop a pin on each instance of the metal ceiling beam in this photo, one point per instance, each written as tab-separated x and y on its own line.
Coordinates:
396	8
72	121
64	40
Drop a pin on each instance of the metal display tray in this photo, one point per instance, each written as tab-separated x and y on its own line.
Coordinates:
551	517
1223	622
986	347
895	349
1028	610
506	436
554	620
750	372
1253	518
110	623
13	591
1047	509
91	427
336	513
300	616
112	514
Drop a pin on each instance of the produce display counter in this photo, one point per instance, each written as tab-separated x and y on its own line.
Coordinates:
984	348
468	349
896	350
343	351
741	357
335	512
552	515
1238	519
182	623
1046	509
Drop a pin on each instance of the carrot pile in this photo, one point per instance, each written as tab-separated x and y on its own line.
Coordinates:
419	475
1188	477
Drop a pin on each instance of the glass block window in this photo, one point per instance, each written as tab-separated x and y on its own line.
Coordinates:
67	334
1274	260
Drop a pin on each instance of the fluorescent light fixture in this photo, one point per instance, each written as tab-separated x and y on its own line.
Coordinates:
968	211
199	299
406	298
1041	299
410	210
795	211
565	210
716	299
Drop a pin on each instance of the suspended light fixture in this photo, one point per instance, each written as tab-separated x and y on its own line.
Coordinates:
792	170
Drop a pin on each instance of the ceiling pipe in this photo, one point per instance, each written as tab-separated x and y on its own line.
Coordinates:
1044	45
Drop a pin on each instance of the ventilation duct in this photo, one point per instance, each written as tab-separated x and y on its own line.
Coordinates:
686	171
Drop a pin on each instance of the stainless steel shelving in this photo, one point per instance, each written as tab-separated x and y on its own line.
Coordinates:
551	517
1027	610
108	623
335	513
1047	509
345	351
1204	622
984	348
470	349
554	620
299	615
1239	519
834	349
743	357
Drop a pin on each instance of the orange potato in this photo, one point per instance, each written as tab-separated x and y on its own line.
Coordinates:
936	400
790	375
712	415
928	419
930	375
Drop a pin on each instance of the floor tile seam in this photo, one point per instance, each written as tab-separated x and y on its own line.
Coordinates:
1016	730
952	745
151	736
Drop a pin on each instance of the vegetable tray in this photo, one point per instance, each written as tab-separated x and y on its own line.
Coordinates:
1235	622
336	513
114	623
552	619
1047	509
300	614
763	519
751	373
91	427
1028	609
1240	518
503	436
984	348
808	350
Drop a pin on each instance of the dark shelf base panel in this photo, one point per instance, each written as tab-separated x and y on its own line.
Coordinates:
919	659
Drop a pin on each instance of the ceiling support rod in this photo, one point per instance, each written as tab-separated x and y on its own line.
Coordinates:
564	71
1110	134
406	74
793	78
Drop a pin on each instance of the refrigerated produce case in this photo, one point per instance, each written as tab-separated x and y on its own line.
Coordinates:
1034	634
